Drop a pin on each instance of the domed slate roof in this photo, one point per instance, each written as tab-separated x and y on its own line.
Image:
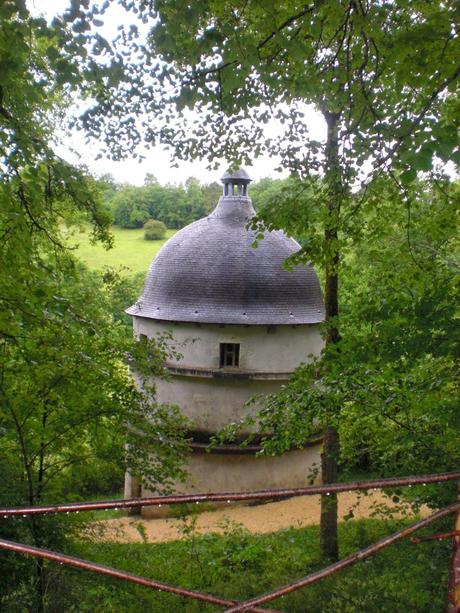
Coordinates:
209	272
239	174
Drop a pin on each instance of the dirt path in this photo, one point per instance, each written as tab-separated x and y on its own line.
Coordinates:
270	517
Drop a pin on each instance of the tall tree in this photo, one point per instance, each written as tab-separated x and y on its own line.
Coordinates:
381	74
397	372
65	393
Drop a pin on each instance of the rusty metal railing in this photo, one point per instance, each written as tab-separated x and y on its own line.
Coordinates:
254	603
275	494
108	571
341	564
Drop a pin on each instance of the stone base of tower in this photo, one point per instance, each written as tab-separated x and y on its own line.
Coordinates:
242	472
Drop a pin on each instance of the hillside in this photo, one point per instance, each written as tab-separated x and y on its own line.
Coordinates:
130	250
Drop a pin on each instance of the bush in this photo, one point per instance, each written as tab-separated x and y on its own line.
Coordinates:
154	230
238	565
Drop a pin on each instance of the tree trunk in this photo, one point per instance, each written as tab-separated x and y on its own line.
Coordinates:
328	524
35	522
330	454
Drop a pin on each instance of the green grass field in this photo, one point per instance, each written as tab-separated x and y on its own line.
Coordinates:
130	250
239	565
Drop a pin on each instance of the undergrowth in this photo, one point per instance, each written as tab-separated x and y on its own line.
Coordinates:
238	565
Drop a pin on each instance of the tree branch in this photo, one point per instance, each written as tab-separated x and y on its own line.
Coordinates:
285	24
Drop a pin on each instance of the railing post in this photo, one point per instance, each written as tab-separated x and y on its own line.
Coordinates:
453	605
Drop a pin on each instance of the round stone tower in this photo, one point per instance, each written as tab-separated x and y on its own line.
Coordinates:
242	323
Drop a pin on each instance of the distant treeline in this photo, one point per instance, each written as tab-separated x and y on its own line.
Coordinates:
175	205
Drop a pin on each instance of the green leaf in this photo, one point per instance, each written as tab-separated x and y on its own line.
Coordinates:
455	157
423	161
408	176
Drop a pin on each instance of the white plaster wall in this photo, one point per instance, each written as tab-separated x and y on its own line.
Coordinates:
210	404
262	348
225	473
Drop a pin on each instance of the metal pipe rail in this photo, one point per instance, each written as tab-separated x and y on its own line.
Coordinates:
434	537
252	604
341	564
108	571
275	494
249	605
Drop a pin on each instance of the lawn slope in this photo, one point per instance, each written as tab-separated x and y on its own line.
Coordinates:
130	250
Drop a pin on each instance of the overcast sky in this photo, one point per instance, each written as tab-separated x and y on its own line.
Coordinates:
158	160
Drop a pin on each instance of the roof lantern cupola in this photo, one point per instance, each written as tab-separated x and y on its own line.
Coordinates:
236	182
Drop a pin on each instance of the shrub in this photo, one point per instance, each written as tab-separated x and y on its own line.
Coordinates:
154	230
237	565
